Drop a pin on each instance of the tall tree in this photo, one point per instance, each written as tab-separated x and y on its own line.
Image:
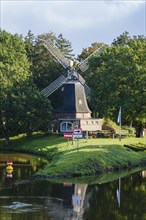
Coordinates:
44	69
17	88
36	112
64	46
88	51
30	46
119	79
122	40
14	68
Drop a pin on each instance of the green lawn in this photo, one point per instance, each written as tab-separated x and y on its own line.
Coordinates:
88	158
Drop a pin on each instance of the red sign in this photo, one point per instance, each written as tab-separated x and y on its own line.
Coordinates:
67	135
67	184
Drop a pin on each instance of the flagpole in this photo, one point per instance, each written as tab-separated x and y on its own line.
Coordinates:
119	121
120	125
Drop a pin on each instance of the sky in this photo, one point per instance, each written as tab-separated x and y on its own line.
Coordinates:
81	22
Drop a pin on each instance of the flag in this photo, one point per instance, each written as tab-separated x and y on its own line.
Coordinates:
118	197
119	116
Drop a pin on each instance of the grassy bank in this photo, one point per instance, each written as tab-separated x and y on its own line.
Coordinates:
88	158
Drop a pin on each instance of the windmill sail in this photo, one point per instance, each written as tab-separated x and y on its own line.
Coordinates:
55	85
56	53
84	65
67	64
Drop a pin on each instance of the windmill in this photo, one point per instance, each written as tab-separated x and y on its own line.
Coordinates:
74	111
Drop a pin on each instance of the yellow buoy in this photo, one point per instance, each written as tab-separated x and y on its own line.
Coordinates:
9	168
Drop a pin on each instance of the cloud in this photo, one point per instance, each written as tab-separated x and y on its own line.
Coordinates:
67	15
80	16
76	20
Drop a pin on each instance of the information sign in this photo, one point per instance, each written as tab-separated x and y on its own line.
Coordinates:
77	133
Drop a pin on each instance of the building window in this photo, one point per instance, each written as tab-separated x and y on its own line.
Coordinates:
63	126
66	127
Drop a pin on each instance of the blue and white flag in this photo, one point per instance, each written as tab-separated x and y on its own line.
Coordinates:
119	116
118	197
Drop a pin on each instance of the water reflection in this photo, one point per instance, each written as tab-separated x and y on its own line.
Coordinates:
124	198
78	199
129	203
25	198
119	192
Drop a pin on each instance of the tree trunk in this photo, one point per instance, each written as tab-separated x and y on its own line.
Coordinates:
29	133
7	137
139	129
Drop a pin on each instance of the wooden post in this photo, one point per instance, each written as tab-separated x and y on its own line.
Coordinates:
86	136
77	144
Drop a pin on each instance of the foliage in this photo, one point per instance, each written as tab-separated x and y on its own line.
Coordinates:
14	69
88	51
103	203
111	123
22	106
44	69
36	112
64	46
118	78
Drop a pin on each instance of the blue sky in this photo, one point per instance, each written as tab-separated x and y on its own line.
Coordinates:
81	22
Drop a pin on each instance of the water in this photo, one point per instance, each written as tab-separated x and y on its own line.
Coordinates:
24	198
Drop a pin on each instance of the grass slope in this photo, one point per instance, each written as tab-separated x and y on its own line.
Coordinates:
67	160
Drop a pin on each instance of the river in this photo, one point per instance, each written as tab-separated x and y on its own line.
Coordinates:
108	197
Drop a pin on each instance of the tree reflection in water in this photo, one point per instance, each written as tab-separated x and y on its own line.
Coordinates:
123	199
24	198
104	204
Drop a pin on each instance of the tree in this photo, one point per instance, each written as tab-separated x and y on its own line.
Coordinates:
64	46
36	112
44	69
30	46
18	95
122	40
119	79
87	51
14	69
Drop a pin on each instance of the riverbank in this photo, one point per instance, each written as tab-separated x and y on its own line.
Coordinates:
66	160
